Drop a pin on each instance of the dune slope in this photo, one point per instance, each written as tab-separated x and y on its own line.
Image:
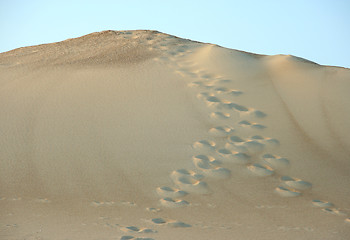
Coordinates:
143	135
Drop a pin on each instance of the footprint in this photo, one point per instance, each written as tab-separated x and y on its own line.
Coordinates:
233	106
173	203
261	170
204	145
154	210
258	114
287	192
250	146
135	238
168	192
99	204
189	181
196	84
235	139
170	223
177	224
222	81
253	147
128	204
204	159
159	221
137	230
212	101
205	76
221	131
220	115
209	166
275	161
228	91
208	86
322	204
204	95
235	92
184	172
233	157
221	89
236	147
252	125
334	211
127	237
269	142
296	183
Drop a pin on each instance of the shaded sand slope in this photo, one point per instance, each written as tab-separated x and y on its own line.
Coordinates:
143	135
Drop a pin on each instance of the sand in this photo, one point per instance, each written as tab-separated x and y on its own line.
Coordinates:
144	135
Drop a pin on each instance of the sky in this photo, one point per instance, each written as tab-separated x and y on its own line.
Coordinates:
318	30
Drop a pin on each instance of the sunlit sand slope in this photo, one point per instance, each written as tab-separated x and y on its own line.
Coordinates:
143	135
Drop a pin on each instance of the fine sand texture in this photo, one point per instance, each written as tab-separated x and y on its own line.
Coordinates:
144	135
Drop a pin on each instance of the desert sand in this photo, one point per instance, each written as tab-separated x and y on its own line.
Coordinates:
144	135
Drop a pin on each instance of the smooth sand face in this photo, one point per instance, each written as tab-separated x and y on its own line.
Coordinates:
142	135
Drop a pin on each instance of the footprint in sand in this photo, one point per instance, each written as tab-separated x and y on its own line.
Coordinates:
221	131
334	211
153	210
170	223
168	192
228	91
321	203
250	146
260	170
204	75
187	173
135	238
214	102
270	143
189	181
128	204
222	81
251	125
233	157
220	116
134	229
294	187
233	106
102	204
196	84
209	99
287	192
209	166
204	146
275	161
296	183
257	113
173	203
235	139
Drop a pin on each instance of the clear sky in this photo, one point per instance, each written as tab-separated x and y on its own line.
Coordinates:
318	30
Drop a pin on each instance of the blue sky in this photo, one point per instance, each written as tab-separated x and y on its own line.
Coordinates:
317	30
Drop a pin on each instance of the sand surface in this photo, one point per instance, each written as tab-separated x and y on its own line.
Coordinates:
143	135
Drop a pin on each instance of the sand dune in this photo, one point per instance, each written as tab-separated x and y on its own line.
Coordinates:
143	135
